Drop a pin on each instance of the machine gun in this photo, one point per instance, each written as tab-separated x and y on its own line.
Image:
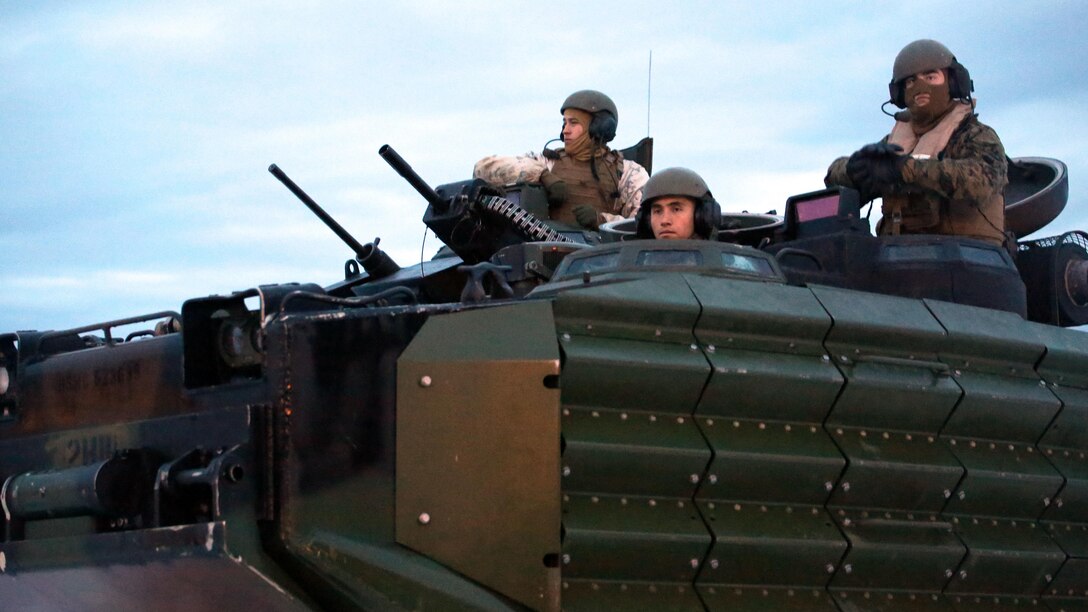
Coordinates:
472	217
374	260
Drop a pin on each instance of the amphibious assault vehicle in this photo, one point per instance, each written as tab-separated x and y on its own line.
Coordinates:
797	416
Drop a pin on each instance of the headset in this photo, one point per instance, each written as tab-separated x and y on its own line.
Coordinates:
602	127
708	217
960	85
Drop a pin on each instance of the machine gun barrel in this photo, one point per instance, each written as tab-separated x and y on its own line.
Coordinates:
374	260
360	250
394	159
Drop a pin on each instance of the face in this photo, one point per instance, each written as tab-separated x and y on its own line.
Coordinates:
574	125
919	88
672	218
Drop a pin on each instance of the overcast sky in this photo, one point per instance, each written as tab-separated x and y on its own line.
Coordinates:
135	136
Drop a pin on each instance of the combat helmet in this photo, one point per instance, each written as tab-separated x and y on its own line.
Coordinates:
679	182
602	128
920	56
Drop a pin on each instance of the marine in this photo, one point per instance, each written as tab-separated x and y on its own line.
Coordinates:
940	170
677	205
587	183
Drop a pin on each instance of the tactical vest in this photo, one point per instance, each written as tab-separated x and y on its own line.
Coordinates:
925	213
602	193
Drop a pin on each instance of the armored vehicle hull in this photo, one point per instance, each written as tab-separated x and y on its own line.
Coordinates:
673	425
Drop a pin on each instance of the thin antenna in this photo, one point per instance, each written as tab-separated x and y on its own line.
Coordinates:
649	75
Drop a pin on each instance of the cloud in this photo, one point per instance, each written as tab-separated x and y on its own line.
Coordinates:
137	137
140	30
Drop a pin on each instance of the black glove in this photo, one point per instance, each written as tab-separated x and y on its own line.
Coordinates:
555	188
857	169
586	216
881	149
876	167
888	172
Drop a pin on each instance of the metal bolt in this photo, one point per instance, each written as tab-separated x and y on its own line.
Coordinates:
846	486
710	348
714	564
713	479
830	567
425	381
566	470
828	485
694	478
848	568
948	573
694	347
694	563
963	574
962	495
424	518
947	493
566	337
566	559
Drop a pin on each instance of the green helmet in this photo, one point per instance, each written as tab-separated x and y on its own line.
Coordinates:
605	116
679	182
590	101
675	182
921	56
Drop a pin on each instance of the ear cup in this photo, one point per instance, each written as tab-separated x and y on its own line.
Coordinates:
642	222
961	85
708	216
603	127
896	94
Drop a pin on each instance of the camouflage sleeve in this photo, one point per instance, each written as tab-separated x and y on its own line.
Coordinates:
632	180
973	169
836	174
507	170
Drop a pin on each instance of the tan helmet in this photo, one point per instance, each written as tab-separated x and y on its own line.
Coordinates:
679	182
920	56
605	116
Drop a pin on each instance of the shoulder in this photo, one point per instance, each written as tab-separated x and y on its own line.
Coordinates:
974	130
634	169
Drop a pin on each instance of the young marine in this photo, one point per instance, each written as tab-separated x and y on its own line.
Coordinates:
587	183
939	171
677	205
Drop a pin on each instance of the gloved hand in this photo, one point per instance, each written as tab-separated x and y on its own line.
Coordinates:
876	167
555	188
881	149
586	216
857	168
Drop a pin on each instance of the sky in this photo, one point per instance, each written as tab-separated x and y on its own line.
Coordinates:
135	137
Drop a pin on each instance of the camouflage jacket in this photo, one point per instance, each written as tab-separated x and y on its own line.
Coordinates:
969	175
507	170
